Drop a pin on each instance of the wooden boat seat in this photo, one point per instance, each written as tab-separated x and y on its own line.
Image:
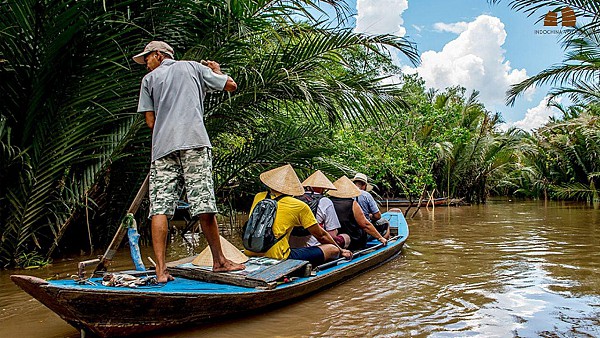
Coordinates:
260	272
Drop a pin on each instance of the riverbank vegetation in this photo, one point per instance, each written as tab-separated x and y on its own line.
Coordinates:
73	152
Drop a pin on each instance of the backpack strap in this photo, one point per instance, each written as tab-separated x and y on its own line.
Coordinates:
278	198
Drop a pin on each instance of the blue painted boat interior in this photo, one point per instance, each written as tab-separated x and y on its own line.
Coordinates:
397	220
188	286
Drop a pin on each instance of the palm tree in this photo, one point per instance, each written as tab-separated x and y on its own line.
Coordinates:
65	97
579	73
574	146
577	76
70	93
562	155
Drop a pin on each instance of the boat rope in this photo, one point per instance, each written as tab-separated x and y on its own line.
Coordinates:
128	221
126	280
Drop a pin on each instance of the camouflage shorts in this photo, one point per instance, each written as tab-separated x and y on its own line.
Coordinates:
190	169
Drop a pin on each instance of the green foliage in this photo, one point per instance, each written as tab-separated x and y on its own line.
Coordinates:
32	260
561	158
308	94
571	151
66	96
445	141
69	136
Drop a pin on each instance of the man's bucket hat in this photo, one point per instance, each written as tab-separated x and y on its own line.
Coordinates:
363	178
154	46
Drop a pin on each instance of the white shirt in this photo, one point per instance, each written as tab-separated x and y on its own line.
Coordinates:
326	217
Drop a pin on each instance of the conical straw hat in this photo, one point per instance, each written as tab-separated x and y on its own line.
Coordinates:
283	180
345	188
318	180
229	250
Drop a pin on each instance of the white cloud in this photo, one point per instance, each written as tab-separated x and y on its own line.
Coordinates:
535	117
474	60
457	27
380	16
417	28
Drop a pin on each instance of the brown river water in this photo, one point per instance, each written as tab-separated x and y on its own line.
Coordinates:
505	269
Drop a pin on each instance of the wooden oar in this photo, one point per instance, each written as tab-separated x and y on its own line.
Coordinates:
119	235
122	231
354	254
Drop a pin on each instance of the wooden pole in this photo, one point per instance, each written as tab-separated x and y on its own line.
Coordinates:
122	231
420	200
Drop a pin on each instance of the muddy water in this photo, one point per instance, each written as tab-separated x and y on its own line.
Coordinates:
501	270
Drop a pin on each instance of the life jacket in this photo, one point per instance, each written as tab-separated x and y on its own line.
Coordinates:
349	225
312	200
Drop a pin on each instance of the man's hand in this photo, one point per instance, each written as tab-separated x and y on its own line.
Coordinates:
383	241
150	118
346	254
230	86
213	65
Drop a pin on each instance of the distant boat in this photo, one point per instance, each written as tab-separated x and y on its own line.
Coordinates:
441	201
117	311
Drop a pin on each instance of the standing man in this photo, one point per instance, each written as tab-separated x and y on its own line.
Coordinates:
171	98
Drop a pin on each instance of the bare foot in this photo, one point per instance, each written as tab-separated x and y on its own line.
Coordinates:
163	278
228	266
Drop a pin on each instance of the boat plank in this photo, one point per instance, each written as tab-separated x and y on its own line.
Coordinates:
277	271
218	277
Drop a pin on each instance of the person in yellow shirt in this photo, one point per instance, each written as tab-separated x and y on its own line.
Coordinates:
292	212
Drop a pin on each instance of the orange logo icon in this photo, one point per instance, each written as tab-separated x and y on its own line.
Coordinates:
567	16
551	19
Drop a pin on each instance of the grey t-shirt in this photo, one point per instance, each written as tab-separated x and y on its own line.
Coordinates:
175	92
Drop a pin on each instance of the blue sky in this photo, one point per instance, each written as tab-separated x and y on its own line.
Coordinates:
471	43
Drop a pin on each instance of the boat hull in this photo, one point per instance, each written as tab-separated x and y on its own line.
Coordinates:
111	312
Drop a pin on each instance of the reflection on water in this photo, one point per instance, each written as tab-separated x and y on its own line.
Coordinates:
499	270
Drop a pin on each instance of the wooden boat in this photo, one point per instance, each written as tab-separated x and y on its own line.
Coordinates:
441	201
113	311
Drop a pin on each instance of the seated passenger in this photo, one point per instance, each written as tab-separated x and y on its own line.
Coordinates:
369	206
292	212
354	224
322	208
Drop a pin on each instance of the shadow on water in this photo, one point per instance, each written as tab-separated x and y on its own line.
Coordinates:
499	270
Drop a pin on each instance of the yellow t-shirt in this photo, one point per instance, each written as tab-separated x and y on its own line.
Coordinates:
291	212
